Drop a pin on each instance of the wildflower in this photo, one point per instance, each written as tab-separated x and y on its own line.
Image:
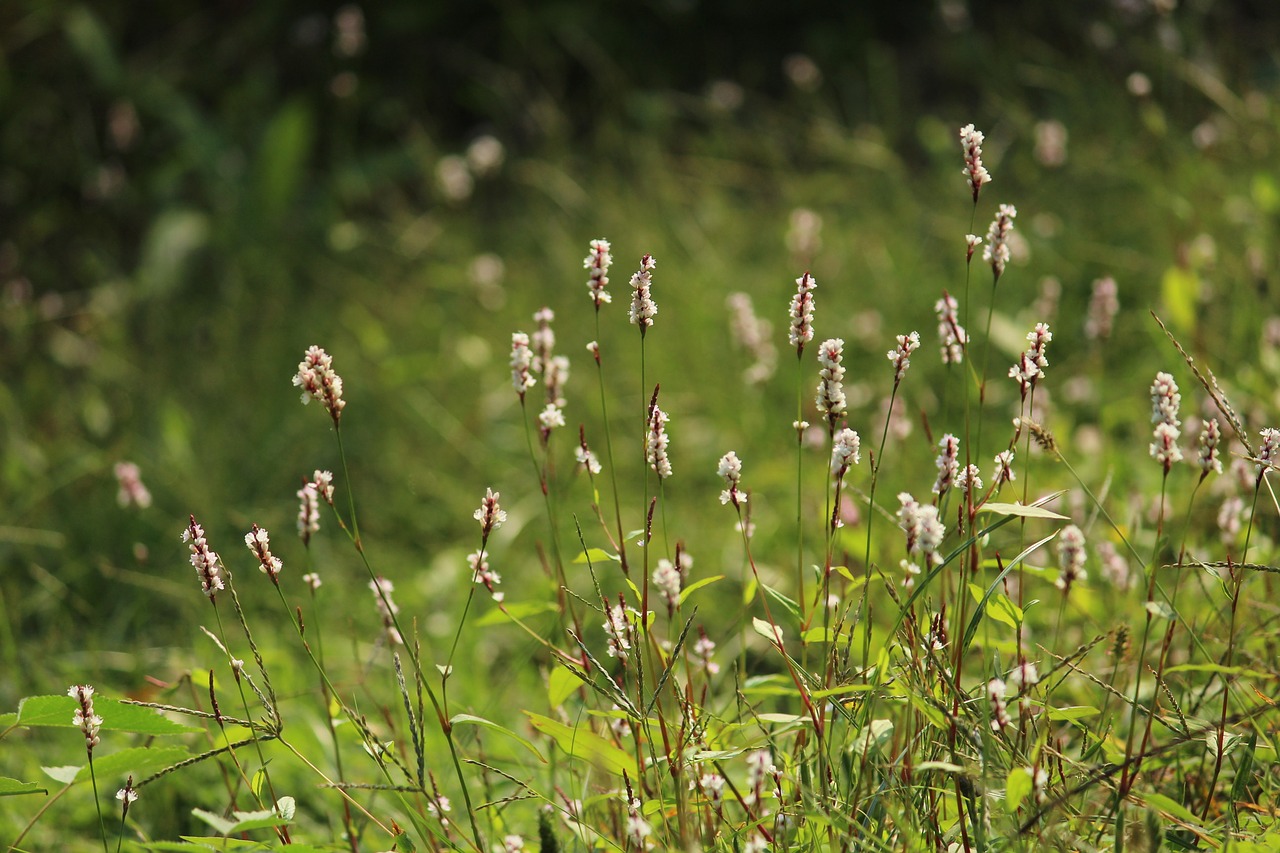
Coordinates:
259	543
204	559
598	262
950	333
967	479
971	141
438	806
999	710
490	515
317	380
924	535
703	649
593	347
901	356
831	399
935	640
308	512
1039	782
512	844
556	375
731	470
948	463
756	844
85	718
1071	557
550	418
845	451
1165	447
760	768
1114	567
802	313
643	308
996	252
752	334
666	577
521	362
1210	438
584	455
1004	468
312	580
128	795
382	589
543	339
1024	676
618	630
1103	307
481	573
132	491
1231	517
972	242
638	829
1267	454
324	484
656	444
1165	400
1031	365
712	787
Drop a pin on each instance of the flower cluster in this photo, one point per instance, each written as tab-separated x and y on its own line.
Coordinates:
1210	439
1071	558
1004	468
483	575
971	141
948	464
490	515
703	649
85	718
925	533
968	479
901	355
317	380
657	441
618	630
257	541
846	450
802	313
996	252
598	262
996	689
731	470
583	454
666	577
382	589
752	334
1031	365
1104	304
132	492
643	308
204	559
831	399
1269	452
521	362
951	335
1165	401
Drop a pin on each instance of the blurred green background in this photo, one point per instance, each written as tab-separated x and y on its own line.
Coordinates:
193	193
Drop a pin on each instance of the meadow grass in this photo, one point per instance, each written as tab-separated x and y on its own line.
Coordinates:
791	641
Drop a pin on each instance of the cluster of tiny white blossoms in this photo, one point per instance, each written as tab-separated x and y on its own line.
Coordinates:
638	829
972	242
1071	557
925	533
657	441
996	689
643	308
968	479
901	354
971	141
1114	566
521	362
830	399
483	575
583	454
387	609
1269	452
85	718
730	469
951	335
259	542
760	769
598	263
1165	401
490	514
317	380
846	450
618	630
711	785
204	558
948	464
802	313
752	334
996	252
319	486
666	577
1104	304
1031	364
131	492
703	650
1210	439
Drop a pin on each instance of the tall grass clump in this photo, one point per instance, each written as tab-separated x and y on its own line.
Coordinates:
961	644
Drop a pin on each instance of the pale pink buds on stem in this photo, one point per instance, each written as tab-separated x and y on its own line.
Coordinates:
657	440
972	242
618	629
996	689
1071	557
387	609
258	541
901	355
951	335
1165	401
1210	439
1104	304
128	795
971	141
85	718
925	533
317	380
830	399
308	512
948	464
204	559
1269	452
1030	367
846	450
1003	468
598	262
584	455
521	362
643	308
731	470
802	313
132	492
996	252
490	515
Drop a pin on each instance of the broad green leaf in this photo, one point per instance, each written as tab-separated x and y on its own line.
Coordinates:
940	766
1016	787
999	607
818	634
66	774
1172	808
697	585
1020	509
12	787
1160	610
929	712
782	719
585	744
8	720
766	630
875	735
561	684
790	604
1073	712
595	555
116	715
749	591
518	610
481	721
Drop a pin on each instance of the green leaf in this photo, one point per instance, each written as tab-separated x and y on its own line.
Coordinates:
875	735
790	604
782	719
818	634
595	555
518	610
1019	509
840	691
214	842
999	607
282	158
766	630
749	592
12	787
116	716
1218	669
1073	712
697	585
1160	610
940	766
141	761
561	684
66	774
585	744
481	721
1016	787
1172	808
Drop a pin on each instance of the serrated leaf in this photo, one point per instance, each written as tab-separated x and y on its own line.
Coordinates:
585	744
470	719
116	716
13	787
697	585
1016	787
561	684
1020	509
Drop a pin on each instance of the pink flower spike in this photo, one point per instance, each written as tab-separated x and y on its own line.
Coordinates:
85	718
598	262
204	559
317	380
259	543
971	141
802	313
643	308
132	492
490	515
996	251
